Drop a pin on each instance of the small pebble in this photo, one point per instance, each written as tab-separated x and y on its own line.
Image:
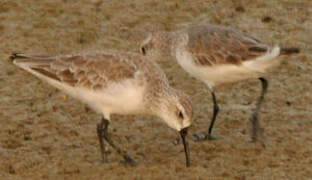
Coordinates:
288	103
240	9
266	19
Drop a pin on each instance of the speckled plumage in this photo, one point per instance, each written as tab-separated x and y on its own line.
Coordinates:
216	55
212	45
101	71
114	82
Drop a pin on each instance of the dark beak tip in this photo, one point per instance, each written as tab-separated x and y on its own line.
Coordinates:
143	51
183	133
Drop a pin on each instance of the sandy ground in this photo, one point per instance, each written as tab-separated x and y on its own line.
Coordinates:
44	135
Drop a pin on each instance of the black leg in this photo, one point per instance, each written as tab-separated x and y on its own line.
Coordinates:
103	132
214	116
256	128
101	127
215	113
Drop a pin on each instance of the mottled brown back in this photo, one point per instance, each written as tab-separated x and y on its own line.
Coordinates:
212	45
92	71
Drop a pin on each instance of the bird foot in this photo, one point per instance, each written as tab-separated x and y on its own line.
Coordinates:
203	137
177	141
129	160
255	140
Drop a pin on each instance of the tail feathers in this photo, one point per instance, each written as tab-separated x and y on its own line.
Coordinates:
292	50
17	56
30	60
262	63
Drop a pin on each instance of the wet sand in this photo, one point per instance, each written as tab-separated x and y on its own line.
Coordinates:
47	135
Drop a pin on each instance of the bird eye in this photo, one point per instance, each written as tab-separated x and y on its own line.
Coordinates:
143	50
181	115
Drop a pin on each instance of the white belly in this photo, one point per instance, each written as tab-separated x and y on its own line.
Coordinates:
125	97
118	98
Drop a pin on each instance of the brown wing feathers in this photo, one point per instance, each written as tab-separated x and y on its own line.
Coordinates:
47	66
47	73
211	45
92	71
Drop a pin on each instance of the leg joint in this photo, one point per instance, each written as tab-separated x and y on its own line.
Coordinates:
216	108
264	83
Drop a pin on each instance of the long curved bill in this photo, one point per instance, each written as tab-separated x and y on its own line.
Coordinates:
183	134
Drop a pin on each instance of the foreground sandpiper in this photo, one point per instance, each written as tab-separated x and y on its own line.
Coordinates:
113	82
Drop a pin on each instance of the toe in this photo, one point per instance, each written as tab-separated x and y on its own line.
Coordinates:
176	141
130	161
211	137
200	137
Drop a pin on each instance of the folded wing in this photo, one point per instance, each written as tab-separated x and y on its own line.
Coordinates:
91	71
214	45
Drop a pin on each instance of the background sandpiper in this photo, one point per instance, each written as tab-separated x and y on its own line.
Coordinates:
217	55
